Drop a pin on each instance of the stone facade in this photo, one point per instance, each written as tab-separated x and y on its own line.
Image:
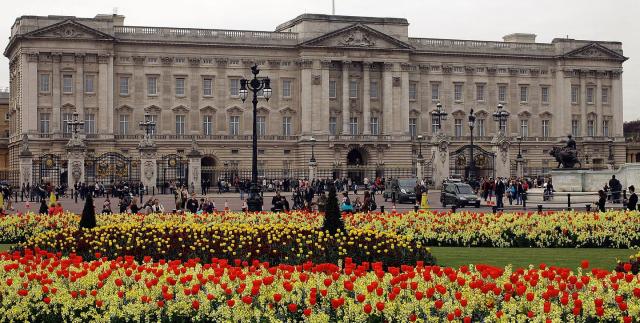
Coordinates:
4	129
360	86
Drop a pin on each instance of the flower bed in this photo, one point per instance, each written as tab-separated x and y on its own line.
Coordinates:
631	266
274	243
613	229
42	286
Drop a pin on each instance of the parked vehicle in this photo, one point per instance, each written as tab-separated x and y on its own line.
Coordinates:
458	194
403	188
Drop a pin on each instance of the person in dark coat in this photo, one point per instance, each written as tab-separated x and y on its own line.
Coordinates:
500	189
602	200
44	209
633	199
192	204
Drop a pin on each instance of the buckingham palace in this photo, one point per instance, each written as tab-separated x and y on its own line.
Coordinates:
355	93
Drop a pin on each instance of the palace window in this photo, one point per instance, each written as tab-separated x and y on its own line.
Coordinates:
153	118
286	126
207	125
605	95
286	88
413	127
479	92
524	128
524	94
575	94
502	93
261	125
480	128
434	125
544	94
180	124
457	92
234	87
332	89
590	96
123	124
575	127
333	126
353	125
124	85
180	81
89	123
66	118
353	89
546	130
458	128
605	128
44	83
207	86
503	126
152	85
413	91
375	128
89	83
591	131
435	91
44	122
373	89
234	125
67	83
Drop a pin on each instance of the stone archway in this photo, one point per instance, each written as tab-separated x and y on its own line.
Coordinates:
356	164
209	170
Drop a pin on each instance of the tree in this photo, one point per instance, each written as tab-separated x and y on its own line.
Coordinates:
332	216
88	219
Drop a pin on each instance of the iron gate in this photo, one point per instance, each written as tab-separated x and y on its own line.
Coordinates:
484	161
174	169
49	169
112	168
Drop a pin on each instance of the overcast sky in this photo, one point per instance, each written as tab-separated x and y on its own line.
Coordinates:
612	20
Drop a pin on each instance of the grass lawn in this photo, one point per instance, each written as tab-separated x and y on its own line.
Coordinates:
522	257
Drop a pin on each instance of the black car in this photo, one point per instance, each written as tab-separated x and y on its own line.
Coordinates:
403	188
458	194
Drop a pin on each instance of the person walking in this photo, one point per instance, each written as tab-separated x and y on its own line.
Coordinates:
602	200
500	189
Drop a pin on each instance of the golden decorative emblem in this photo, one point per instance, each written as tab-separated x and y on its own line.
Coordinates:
49	162
172	162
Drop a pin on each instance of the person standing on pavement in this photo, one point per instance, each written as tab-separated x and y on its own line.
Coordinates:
633	199
500	189
192	204
602	200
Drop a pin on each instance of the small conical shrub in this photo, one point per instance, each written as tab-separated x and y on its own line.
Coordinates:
88	219
332	217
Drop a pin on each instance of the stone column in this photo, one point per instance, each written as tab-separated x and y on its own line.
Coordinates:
519	167
615	100
420	168
403	117
324	105
30	94
75	160
148	167
583	104
366	99
195	163
345	97
26	165
105	111
440	152
306	105
387	98
502	160
313	170
79	86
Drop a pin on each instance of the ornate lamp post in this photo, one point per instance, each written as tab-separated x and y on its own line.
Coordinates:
148	126
500	116
420	139
472	162
255	85
520	159
312	140
440	115
75	125
612	160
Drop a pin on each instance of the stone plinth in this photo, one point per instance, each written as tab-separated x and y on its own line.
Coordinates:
585	180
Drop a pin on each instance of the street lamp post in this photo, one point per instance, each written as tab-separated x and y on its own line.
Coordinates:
472	162
312	140
148	125
612	160
519	157
420	139
75	124
519	160
440	115
255	85
501	116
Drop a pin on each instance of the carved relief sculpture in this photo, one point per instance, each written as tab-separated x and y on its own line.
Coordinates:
149	169
76	170
357	38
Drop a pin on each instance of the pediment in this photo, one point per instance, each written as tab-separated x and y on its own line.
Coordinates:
595	51
357	36
69	29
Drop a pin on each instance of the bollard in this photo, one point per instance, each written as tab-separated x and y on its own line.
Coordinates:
154	190
539	208
415	208
524	200
588	207
494	209
21	196
382	208
569	201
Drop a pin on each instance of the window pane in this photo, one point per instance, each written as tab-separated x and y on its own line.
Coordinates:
353	89
90	123
332	89
524	94
480	92
286	88
545	128
545	94
152	85
234	87
332	125
353	125
124	124
373	89
502	93
89	83
605	95
180	120
457	92
458	127
44	122
435	91
413	90
479	127
286	126
124	85
413	131
261	125
207	87
180	86
590	91
375	130
524	128
44	83
67	83
234	125
575	94
207	125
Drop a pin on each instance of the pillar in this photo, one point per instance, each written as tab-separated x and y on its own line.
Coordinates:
420	168
519	168
402	120
502	160
30	94
324	105
366	99
313	170
75	160
195	162
387	98
306	97
148	167
345	97
26	165
440	152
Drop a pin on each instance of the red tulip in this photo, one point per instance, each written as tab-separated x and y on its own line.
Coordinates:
584	264
438	304
195	305
46	300
160	304
293	307
360	298
307	312
380	306
627	267
98	303
247	300
277	297
231	302
367	308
